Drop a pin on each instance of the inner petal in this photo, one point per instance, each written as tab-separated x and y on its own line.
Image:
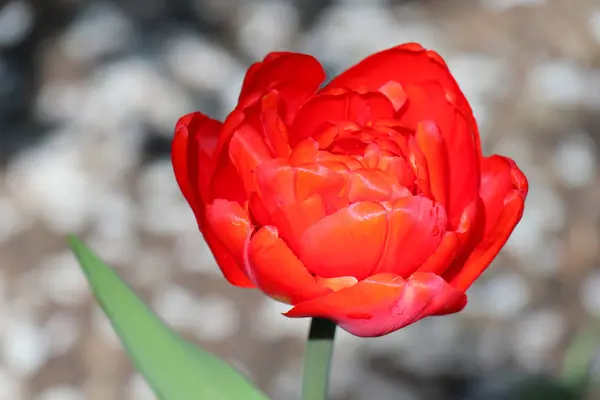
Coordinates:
348	242
334	108
416	226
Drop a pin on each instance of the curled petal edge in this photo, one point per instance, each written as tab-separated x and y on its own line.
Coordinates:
485	252
384	303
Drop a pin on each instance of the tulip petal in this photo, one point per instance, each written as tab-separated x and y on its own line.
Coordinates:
370	184
430	87
361	109
384	303
441	259
274	129
193	145
348	242
503	192
228	226
292	220
274	268
406	64
429	102
433	147
295	76
282	184
248	150
499	176
485	252
416	226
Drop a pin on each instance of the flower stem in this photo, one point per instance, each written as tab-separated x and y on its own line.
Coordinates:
317	359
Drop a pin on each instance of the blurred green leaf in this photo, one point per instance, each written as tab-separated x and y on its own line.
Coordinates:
579	356
174	368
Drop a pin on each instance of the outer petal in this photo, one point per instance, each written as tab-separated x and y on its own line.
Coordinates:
429	102
193	146
295	76
247	150
227	226
191	152
274	268
503	192
384	303
405	64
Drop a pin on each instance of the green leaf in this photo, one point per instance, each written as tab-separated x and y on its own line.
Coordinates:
174	368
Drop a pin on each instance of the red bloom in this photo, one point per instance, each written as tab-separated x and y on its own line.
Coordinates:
367	202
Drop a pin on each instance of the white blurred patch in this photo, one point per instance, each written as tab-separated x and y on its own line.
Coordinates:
210	317
10	386
16	20
62	280
162	207
530	234
138	389
24	345
266	26
354	32
63	329
503	297
575	160
269	324
200	64
503	5
558	83
61	392
593	24
100	30
589	294
534	338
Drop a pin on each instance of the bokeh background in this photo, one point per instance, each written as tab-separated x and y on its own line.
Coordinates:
89	94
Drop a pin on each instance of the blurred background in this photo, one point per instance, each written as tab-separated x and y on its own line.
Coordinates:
89	94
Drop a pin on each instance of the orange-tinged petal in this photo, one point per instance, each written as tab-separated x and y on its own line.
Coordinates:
442	257
274	268
338	283
273	127
384	303
499	176
226	226
503	191
405	64
348	242
429	102
485	252
282	184
394	91
432	146
293	219
179	159
192	149
370	184
228	264
231	224
247	150
295	76
416	226
329	108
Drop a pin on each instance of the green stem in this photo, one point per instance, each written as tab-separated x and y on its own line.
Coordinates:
317	359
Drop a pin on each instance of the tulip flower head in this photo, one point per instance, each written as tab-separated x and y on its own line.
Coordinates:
367	201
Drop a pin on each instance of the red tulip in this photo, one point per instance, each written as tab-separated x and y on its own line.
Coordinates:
367	202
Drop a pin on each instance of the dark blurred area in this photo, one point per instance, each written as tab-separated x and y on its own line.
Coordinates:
89	95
